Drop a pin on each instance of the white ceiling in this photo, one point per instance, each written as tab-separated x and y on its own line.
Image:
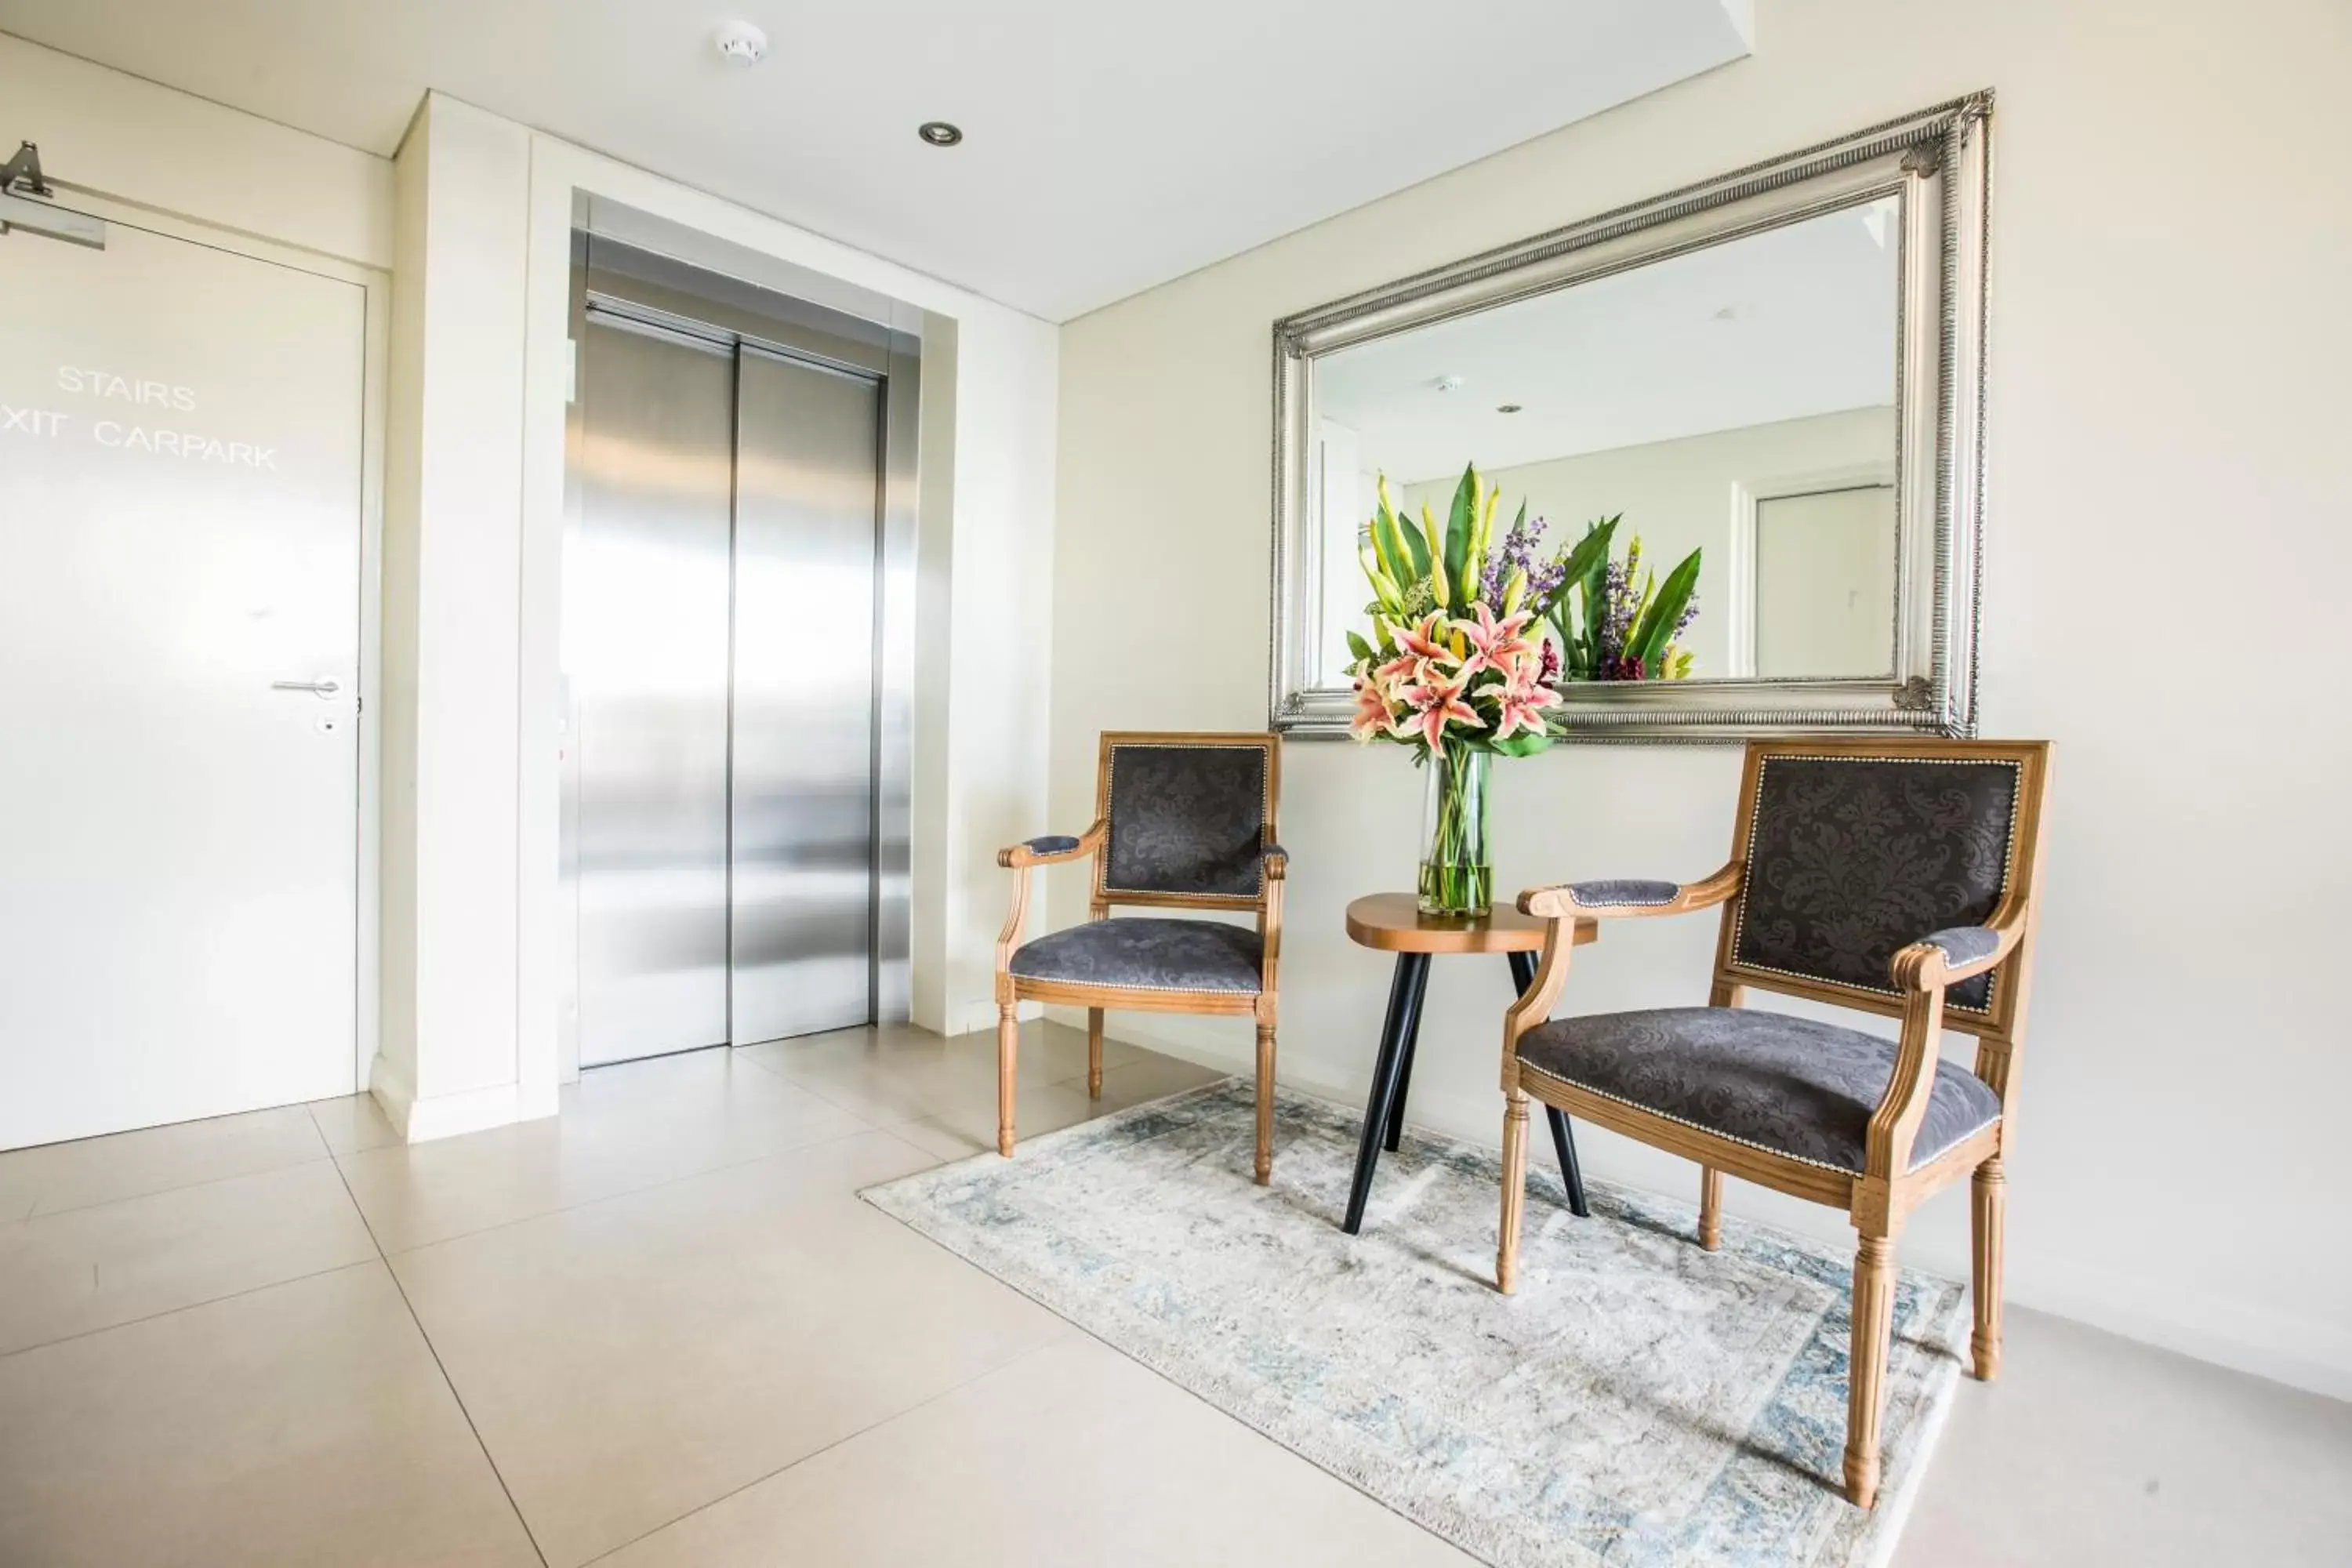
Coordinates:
1110	145
1780	325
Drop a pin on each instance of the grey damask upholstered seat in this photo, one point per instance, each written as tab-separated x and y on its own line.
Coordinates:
1148	955
1790	1085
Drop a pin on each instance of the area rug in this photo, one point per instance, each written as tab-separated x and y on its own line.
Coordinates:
1638	1403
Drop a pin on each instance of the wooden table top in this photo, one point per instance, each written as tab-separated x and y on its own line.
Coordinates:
1393	922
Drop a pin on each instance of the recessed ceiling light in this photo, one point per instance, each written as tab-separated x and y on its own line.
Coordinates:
1447	384
939	133
1507	407
741	44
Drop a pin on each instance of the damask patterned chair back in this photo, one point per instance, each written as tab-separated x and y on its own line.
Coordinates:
1853	850
1187	815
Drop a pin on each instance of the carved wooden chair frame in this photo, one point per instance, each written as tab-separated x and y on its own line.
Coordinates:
1266	903
1881	1197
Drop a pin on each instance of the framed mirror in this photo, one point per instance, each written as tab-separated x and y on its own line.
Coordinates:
1770	383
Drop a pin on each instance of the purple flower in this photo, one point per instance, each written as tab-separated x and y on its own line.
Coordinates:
1517	552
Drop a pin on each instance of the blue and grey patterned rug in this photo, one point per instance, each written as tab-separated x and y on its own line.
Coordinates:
1638	1403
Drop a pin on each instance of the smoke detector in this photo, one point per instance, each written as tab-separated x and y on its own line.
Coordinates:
741	44
1447	384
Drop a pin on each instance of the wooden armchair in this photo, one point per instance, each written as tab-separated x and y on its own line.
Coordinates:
1900	877
1182	821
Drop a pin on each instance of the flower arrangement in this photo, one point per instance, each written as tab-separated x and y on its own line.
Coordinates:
1472	637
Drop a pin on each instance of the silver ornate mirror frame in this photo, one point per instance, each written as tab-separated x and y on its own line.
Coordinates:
1937	163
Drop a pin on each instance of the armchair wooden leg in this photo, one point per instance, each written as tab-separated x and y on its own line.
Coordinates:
1094	1053
1515	1190
1711	1207
1264	1104
1987	1211
1008	1058
1874	1319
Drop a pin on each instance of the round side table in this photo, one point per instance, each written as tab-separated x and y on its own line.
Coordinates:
1393	922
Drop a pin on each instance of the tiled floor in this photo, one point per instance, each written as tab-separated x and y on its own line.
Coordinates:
661	1330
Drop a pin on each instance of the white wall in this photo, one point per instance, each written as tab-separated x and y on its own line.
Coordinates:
2166	412
103	132
449	1056
1676	496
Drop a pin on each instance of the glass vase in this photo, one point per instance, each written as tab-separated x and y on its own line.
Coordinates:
1457	869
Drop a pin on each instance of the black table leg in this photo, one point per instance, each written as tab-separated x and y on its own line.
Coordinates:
1563	1141
1403	1088
1397	1038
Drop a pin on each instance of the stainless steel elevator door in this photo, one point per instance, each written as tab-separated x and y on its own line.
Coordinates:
646	647
807	485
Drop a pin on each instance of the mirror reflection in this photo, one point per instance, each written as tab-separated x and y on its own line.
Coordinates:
1734	406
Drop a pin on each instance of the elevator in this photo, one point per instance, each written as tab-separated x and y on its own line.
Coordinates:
737	553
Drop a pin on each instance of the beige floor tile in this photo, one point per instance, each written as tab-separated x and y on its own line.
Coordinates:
86	1268
153	1160
622	1129
968	1126
1152	1079
352	1122
304	1425
1073	1456
889	1076
2094	1449
630	1360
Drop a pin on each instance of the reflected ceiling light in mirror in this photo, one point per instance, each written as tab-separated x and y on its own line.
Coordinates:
1507	407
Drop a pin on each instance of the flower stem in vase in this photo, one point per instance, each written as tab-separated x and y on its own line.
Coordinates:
1457	872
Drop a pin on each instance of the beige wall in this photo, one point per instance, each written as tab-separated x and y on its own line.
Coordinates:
1676	496
2167	407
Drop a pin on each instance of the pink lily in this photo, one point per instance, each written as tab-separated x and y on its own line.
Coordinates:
1436	704
1427	641
1372	713
1420	655
1495	644
1522	706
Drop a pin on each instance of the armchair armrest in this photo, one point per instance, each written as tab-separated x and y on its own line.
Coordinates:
1956	953
1017	859
1052	847
1628	899
1920	972
1277	861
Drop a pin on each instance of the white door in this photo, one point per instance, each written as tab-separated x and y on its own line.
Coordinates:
181	480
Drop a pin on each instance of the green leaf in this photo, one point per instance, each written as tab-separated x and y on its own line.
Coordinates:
1589	570
1461	523
1384	548
1519	746
1656	627
1415	549
1359	647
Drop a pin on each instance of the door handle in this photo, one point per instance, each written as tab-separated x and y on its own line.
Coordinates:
316	687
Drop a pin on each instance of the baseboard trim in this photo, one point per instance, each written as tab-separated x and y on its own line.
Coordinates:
421	1120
